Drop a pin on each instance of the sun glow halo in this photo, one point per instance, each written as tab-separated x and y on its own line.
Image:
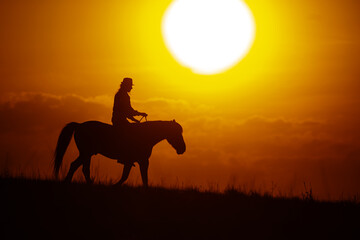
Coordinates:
208	36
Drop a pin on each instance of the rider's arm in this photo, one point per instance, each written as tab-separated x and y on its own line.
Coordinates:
129	110
132	112
133	119
135	113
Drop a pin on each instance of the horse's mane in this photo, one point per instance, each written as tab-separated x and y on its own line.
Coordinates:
159	124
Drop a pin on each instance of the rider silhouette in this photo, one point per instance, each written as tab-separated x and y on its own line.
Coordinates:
122	109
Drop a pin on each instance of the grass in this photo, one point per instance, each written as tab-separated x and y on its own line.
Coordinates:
50	209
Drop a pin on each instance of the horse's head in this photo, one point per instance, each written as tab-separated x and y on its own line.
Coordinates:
175	137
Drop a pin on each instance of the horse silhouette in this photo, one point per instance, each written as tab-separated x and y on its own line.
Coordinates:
130	145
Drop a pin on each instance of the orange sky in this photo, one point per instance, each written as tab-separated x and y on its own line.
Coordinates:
286	114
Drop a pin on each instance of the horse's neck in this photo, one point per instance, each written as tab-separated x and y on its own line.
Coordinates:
158	132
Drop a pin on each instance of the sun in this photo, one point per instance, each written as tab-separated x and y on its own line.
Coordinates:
208	36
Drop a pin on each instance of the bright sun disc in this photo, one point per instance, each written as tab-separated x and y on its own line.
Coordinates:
208	36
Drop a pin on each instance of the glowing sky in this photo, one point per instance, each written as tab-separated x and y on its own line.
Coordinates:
288	113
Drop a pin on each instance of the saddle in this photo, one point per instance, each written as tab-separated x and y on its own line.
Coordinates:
126	131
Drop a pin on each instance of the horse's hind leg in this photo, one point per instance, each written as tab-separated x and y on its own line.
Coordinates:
73	167
125	175
86	169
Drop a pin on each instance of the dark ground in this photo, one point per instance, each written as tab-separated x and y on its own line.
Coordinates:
53	210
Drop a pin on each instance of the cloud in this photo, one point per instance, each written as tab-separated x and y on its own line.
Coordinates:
30	124
34	112
168	109
286	151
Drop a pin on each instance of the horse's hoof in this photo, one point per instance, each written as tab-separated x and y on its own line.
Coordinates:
90	182
67	180
118	184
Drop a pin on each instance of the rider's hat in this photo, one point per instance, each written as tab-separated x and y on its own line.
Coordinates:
127	81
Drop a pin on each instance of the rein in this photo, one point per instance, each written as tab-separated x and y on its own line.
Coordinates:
142	118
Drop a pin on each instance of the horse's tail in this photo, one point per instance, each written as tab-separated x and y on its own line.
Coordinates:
62	144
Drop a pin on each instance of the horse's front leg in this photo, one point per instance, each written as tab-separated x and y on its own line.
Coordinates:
144	166
125	175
